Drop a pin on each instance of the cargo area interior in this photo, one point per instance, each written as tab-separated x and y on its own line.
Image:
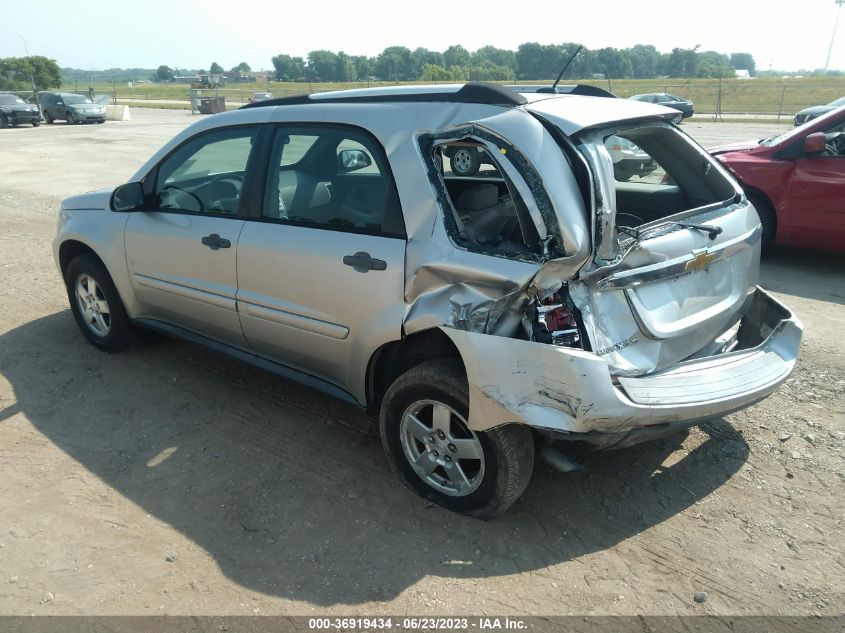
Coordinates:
684	178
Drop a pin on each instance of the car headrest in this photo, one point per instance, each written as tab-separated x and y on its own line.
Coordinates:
478	197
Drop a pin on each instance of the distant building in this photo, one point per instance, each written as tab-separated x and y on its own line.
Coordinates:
743	74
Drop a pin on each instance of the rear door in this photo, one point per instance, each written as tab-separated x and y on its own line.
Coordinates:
181	253
321	263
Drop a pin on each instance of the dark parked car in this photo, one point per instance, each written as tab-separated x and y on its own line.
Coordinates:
808	114
796	181
684	106
72	108
14	111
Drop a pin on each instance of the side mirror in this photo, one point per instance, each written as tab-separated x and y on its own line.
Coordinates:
352	159
128	197
814	143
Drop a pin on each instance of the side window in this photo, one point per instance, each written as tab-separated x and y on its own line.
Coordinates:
331	177
487	213
206	174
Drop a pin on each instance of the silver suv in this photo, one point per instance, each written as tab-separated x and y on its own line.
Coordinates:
328	238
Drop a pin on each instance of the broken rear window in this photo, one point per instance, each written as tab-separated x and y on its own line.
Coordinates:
489	215
659	173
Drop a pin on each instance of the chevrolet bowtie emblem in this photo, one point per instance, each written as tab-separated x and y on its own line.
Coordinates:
700	262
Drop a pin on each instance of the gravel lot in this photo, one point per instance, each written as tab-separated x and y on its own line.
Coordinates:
167	480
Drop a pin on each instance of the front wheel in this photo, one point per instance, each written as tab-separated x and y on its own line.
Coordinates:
70	119
428	442
677	120
49	118
4	122
96	304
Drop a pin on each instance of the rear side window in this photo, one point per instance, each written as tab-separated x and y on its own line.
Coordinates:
331	177
487	213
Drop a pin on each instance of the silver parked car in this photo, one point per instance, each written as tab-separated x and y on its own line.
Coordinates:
327	238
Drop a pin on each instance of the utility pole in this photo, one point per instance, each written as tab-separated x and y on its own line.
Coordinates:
31	75
839	4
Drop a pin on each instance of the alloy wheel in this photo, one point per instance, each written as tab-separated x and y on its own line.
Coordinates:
441	448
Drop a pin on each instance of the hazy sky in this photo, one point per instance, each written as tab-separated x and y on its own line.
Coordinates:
782	34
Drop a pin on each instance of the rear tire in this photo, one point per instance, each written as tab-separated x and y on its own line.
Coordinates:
768	218
36	123
96	304
477	473
4	122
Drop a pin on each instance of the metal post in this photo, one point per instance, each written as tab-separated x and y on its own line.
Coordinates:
780	107
839	4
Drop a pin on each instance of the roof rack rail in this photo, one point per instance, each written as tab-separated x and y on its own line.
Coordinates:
572	89
472	92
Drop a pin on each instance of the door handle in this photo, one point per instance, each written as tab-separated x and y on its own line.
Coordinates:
215	242
362	262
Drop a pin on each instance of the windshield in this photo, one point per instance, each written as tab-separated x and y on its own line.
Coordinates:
10	99
74	99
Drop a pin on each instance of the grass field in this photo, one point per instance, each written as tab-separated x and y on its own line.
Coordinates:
752	96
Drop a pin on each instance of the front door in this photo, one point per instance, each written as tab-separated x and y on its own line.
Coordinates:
816	213
181	253
321	268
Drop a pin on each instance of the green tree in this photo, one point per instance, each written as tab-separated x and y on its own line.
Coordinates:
492	56
743	61
395	63
422	57
216	69
243	67
22	72
613	63
344	68
288	68
645	61
456	55
363	66
322	65
164	73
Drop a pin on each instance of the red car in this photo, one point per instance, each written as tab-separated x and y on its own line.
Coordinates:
796	181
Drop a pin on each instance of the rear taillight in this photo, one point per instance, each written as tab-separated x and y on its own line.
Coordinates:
556	324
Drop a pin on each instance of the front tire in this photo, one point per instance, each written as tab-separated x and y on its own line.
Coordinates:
70	119
677	120
48	118
4	122
96	304
429	445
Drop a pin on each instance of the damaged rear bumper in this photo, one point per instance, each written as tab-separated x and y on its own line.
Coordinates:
570	394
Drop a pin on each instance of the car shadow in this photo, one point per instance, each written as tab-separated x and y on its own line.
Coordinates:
289	491
786	270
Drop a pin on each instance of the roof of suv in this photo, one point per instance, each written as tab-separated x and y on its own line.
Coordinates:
473	92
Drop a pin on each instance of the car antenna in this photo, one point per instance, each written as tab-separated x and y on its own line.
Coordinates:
565	66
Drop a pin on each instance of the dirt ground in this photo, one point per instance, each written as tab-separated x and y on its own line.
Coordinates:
167	480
